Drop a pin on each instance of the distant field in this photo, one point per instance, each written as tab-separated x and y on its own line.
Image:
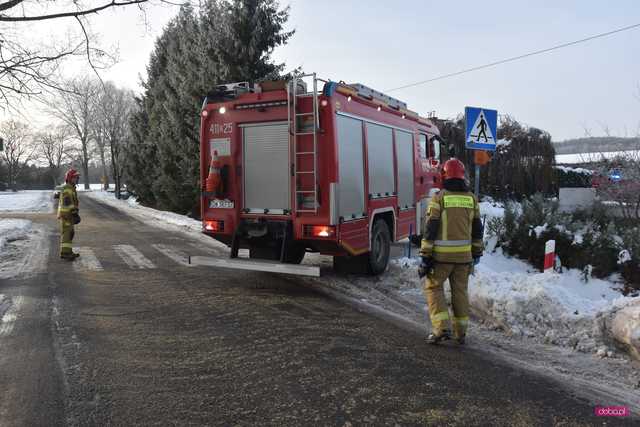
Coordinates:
596	145
592	157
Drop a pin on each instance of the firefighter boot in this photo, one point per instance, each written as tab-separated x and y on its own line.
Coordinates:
69	256
437	338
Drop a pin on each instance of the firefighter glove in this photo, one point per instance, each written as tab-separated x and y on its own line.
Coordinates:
425	266
76	218
476	260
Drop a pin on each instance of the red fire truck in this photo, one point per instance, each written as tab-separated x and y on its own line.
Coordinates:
288	167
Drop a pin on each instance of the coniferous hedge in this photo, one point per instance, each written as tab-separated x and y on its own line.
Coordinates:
222	41
521	166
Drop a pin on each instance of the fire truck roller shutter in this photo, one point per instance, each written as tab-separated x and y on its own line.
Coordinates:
351	168
380	156
266	167
404	152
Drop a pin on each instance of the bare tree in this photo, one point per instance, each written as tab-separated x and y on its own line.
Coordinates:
52	147
27	70
75	107
115	107
18	149
101	142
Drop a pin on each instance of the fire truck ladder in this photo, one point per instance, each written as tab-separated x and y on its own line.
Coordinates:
295	90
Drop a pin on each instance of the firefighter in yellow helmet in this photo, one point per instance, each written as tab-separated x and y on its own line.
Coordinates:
451	246
68	214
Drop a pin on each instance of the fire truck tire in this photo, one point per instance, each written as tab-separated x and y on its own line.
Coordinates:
264	252
380	247
351	264
294	254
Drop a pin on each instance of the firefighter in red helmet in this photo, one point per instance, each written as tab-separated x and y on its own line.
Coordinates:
451	245
68	214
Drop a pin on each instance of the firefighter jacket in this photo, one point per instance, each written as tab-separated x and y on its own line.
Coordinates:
453	232
68	205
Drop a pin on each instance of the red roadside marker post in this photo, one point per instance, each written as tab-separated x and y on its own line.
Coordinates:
549	255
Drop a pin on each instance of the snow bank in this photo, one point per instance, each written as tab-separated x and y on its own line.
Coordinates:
554	308
568	169
491	209
132	206
24	248
626	328
509	294
13	229
503	143
26	201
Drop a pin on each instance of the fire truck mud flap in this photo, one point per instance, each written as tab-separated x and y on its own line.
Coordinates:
254	265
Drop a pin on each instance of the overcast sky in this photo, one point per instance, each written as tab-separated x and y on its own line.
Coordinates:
385	44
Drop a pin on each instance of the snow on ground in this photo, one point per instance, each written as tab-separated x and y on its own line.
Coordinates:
592	157
575	170
24	248
26	201
13	229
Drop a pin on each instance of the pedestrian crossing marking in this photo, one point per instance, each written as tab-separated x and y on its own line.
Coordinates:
133	257
87	260
175	254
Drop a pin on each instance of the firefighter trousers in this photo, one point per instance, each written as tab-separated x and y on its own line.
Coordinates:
458	275
66	237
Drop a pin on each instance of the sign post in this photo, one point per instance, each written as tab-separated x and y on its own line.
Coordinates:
481	130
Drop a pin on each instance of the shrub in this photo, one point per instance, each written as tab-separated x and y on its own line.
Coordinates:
584	238
573	177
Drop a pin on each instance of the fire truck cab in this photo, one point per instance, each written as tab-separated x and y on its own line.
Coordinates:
309	165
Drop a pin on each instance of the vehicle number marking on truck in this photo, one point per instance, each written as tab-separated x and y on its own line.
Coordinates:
224	128
221	204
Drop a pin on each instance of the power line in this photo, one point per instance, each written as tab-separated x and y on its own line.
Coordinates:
515	58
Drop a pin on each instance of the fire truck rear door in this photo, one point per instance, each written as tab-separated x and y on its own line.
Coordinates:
266	167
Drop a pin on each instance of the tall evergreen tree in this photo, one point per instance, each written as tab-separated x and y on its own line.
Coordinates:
224	41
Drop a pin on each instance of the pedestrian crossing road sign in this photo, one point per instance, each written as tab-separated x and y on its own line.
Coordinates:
481	128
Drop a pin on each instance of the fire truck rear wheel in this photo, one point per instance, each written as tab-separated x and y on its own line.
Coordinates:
294	254
264	252
380	247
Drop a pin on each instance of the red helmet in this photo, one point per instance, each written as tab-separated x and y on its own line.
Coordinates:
453	169
70	175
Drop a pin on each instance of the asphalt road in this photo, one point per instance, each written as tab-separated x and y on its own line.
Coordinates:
131	335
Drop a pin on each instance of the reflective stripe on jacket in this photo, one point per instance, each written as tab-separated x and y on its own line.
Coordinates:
68	204
453	233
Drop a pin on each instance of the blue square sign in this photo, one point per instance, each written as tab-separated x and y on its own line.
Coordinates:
481	128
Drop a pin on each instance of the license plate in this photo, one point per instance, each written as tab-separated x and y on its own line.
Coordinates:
221	204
